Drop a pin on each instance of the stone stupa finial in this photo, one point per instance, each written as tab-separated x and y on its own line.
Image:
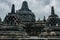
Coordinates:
13	8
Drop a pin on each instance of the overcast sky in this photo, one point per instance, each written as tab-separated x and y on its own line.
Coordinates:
40	8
